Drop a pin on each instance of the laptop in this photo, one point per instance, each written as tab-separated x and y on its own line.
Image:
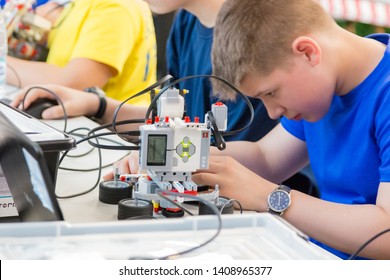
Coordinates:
26	186
51	141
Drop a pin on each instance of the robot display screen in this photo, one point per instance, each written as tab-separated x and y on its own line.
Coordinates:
157	150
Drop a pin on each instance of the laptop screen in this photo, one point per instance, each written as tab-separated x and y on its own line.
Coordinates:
24	177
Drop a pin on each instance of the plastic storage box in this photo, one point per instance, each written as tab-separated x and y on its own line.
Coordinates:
246	236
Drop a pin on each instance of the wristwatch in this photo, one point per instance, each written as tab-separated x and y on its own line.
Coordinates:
102	99
279	200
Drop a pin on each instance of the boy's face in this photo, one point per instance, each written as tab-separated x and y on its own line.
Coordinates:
165	6
302	92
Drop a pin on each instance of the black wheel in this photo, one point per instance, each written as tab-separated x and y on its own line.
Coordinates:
172	214
223	203
112	192
134	208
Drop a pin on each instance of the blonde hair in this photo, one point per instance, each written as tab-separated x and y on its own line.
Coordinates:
255	36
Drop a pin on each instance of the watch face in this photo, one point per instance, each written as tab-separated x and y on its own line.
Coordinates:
279	200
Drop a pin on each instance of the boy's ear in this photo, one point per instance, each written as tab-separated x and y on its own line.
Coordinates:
309	48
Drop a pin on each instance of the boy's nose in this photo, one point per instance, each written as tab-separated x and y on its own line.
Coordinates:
275	112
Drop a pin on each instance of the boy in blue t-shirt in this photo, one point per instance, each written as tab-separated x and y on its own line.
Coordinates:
332	88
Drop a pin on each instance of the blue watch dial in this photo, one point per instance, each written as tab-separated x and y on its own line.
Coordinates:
279	200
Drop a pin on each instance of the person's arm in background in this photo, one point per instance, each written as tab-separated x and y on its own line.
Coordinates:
81	71
35	72
76	103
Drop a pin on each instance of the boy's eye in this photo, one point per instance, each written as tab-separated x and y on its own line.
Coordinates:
271	93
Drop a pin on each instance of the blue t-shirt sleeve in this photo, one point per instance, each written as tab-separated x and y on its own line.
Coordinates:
296	128
382	135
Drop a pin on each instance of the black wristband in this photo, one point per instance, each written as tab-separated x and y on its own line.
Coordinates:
102	99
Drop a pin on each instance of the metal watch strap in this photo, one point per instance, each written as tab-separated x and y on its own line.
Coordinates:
102	101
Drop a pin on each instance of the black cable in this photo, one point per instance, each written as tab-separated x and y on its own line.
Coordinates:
99	168
234	200
119	134
86	153
207	203
98	176
216	212
92	148
72	133
83	140
147	90
354	255
121	148
165	80
59	101
18	80
175	82
218	135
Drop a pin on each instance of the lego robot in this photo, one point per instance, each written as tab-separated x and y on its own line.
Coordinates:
171	149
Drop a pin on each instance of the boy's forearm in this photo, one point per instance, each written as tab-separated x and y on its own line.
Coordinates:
258	159
247	153
23	73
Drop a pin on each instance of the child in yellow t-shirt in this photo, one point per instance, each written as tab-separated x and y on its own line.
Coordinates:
105	43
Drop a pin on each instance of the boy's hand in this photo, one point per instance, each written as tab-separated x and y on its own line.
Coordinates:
76	102
236	182
127	165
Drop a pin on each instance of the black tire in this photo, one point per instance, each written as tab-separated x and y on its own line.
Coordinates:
171	214
112	192
223	203
134	208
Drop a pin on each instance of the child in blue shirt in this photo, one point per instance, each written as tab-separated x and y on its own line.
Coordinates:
332	90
